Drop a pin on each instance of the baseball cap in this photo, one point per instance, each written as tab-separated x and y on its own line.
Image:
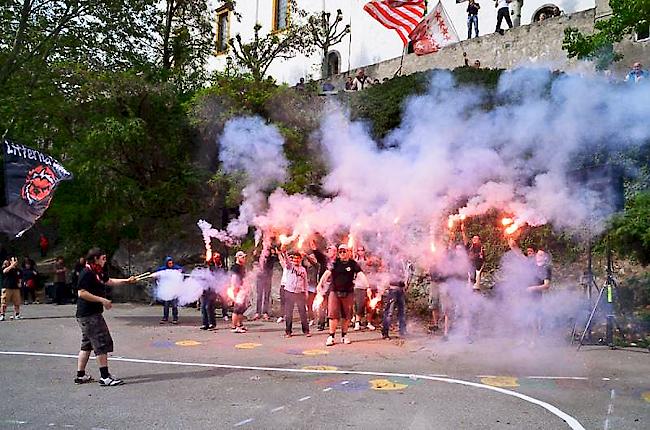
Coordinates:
240	254
343	246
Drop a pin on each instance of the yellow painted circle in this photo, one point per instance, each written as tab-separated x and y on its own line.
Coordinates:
315	352
501	381
188	343
320	368
646	396
386	385
247	345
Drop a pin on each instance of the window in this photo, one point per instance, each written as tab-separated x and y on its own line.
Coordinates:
280	14
223	29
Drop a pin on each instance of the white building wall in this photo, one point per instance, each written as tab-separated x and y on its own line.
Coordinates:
369	42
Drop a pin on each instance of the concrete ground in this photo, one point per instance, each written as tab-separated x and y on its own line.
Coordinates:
182	377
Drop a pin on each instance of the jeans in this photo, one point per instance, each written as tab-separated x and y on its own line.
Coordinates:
27	293
208	306
174	305
472	20
282	300
397	297
299	299
503	13
264	293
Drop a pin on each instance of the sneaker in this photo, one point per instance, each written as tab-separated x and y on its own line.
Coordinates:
163	321
83	379
2	317
371	327
110	381
233	329
266	317
385	336
279	320
37	302
329	341
203	327
225	318
18	317
240	330
287	335
308	334
256	317
311	323
175	322
346	340
212	327
357	326
321	327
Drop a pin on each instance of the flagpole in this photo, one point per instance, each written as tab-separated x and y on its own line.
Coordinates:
401	61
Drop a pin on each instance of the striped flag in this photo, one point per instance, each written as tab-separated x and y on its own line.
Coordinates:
401	16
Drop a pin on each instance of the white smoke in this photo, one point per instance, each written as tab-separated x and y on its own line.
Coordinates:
187	288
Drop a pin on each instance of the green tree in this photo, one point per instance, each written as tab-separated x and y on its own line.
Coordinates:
187	37
630	232
627	17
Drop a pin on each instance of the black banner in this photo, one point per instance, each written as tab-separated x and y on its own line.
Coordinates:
30	180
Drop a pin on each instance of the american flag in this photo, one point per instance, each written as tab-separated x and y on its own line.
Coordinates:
401	16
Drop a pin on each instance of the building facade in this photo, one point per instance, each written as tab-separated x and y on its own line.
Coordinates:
368	42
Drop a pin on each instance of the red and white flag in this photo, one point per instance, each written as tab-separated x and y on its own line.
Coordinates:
401	16
434	32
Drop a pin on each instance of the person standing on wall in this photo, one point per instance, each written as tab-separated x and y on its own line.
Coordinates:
503	12
472	18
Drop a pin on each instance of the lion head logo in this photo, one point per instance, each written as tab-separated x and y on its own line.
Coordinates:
39	184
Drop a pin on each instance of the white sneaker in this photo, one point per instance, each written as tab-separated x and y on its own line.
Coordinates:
357	326
311	323
2	317
279	320
371	327
225	317
18	317
346	340
110	382
329	341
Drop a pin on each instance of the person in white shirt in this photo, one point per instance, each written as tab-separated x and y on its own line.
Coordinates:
503	12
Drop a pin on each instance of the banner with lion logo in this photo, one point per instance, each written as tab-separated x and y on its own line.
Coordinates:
31	177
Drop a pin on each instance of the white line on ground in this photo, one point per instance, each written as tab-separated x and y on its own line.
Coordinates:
325	390
302	399
246	421
610	408
279	408
345	382
574	378
571	421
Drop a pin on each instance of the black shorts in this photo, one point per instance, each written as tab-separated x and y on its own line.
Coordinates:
240	308
95	335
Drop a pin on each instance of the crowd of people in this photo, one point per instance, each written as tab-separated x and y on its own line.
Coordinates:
23	283
346	288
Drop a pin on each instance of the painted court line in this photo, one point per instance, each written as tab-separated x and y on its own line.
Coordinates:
573	378
570	421
325	390
302	399
610	408
278	409
241	423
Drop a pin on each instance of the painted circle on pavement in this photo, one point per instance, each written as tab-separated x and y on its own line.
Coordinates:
500	381
188	343
247	345
320	367
313	352
386	385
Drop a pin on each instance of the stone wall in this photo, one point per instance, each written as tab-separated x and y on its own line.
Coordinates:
538	44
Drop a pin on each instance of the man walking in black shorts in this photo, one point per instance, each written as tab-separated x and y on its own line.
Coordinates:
91	303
